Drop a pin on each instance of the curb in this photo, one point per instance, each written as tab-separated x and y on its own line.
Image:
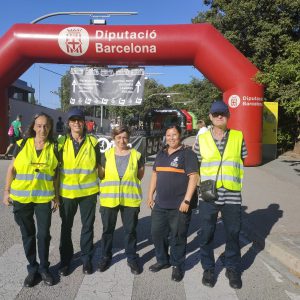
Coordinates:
281	252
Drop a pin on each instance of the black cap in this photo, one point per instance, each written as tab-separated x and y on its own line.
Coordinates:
75	112
219	107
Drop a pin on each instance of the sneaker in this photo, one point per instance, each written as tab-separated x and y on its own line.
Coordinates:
208	278
104	264
234	277
177	274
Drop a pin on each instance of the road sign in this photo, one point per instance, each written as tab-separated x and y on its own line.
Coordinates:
107	86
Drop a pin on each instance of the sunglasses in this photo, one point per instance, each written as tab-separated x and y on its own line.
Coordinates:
222	114
76	119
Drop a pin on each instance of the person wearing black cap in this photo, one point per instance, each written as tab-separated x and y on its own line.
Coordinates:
79	186
221	152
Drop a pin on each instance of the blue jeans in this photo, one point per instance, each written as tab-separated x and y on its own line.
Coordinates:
169	227
31	233
129	217
231	216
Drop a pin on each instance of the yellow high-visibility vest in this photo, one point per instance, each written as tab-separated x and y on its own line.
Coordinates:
34	174
126	192
78	175
232	169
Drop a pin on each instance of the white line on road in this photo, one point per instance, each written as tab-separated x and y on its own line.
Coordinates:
114	284
274	273
292	296
13	271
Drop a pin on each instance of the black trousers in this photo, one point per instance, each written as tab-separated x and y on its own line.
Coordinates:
129	217
67	210
169	229
23	214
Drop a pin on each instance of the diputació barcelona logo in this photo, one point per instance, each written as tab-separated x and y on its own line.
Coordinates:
73	41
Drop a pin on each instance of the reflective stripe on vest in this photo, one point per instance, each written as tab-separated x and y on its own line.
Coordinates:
232	170
78	175
126	192
34	174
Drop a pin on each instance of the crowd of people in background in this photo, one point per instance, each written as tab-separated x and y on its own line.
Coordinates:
46	174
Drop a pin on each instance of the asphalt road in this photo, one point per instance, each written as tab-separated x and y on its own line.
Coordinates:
260	279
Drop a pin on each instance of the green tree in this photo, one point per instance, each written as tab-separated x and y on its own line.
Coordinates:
65	91
267	33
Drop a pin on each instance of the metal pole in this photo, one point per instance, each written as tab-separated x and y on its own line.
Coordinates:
39	85
101	118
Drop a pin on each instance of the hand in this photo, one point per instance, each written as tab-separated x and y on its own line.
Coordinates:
6	199
150	203
55	204
184	207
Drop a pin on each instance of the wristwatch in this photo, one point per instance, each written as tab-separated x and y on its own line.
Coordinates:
187	202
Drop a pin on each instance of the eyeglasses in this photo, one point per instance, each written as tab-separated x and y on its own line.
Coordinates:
222	114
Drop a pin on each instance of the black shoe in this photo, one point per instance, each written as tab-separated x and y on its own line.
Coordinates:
104	264
208	278
30	280
64	270
234	277
134	267
47	278
177	274
87	268
157	267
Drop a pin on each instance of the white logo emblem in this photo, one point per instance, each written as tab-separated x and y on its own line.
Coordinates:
174	163
234	101
73	40
104	144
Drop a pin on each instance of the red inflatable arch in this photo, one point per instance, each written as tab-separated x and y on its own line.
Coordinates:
200	45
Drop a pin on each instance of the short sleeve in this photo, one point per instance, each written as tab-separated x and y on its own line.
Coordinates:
197	150
244	151
190	161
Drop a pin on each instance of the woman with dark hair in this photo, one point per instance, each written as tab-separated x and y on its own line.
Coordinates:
79	186
120	190
30	188
174	179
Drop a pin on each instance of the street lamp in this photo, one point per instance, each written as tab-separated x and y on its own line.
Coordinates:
82	13
164	94
168	95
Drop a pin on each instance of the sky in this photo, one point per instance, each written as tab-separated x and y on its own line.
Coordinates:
45	78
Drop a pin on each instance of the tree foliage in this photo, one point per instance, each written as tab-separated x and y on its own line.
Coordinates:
267	33
65	91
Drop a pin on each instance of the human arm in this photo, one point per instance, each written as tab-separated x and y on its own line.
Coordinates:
55	201
10	174
192	185
141	168
191	167
100	161
152	189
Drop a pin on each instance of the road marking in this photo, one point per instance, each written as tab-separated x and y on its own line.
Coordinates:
274	273
13	271
292	296
114	284
194	289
